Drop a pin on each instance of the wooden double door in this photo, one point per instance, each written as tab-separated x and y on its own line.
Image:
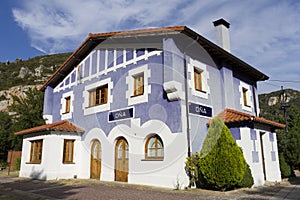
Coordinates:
121	160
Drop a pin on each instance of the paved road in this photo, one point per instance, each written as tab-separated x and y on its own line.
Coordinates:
12	188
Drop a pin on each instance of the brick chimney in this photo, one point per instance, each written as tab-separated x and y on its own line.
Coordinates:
222	33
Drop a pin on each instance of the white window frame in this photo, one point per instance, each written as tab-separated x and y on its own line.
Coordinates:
63	113
192	65
98	108
130	82
249	105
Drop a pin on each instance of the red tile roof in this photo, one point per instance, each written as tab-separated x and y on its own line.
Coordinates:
233	116
63	125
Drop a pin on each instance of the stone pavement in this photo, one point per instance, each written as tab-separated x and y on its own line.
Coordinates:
12	188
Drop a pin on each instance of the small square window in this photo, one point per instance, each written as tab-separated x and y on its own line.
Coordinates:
98	96
36	151
68	151
138	84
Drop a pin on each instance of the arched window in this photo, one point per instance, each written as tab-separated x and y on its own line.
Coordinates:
154	148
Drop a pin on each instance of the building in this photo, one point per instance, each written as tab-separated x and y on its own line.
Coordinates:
132	105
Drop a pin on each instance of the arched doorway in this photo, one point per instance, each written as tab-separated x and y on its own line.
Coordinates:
95	160
121	160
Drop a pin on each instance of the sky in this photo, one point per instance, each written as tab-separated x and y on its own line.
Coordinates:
263	33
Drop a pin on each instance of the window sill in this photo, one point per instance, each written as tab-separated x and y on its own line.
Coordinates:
96	105
36	162
67	163
137	95
153	159
200	91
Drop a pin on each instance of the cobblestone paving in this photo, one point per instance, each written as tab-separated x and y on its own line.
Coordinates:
12	188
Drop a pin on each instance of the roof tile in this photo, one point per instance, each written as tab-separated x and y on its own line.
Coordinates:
63	125
233	116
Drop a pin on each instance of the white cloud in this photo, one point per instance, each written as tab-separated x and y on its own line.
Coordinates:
265	34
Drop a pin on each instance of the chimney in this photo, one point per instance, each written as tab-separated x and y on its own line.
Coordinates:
222	33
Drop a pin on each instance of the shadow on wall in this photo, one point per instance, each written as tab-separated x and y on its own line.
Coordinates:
37	174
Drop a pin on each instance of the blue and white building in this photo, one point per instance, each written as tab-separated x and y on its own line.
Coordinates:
131	106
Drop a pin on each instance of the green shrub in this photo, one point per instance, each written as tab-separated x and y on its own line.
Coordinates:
284	167
222	163
247	180
17	163
191	167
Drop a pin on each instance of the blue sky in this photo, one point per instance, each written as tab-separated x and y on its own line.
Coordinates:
264	33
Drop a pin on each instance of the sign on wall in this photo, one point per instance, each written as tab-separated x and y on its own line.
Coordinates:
199	109
120	114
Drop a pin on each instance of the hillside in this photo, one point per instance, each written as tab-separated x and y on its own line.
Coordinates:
270	104
18	76
29	72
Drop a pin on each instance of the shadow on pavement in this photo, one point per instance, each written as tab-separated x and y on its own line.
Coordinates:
37	188
294	180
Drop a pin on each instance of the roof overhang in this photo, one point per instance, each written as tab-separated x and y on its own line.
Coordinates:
95	39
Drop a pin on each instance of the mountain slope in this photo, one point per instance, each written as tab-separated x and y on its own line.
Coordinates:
270	104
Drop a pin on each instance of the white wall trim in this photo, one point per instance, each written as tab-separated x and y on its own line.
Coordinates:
248	96
63	105
130	82
100	108
205	76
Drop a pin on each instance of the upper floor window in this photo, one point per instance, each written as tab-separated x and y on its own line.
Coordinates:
68	151
36	151
98	96
245	90
199	79
245	96
154	148
68	104
138	84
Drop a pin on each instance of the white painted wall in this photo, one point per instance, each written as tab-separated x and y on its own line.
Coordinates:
271	167
51	166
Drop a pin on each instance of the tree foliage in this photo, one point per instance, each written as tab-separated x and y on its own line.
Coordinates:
289	142
5	130
28	113
222	166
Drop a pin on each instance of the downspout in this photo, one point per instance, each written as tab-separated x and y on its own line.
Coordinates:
187	105
254	100
187	98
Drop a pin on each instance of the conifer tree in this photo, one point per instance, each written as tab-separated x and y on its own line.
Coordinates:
222	164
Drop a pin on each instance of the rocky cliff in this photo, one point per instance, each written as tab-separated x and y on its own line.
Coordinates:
18	76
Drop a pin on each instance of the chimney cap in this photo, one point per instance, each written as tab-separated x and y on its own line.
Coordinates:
221	22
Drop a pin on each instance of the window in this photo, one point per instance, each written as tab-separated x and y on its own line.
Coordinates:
68	151
36	151
244	90
198	80
154	148
98	96
66	109
68	104
138	84
245	96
